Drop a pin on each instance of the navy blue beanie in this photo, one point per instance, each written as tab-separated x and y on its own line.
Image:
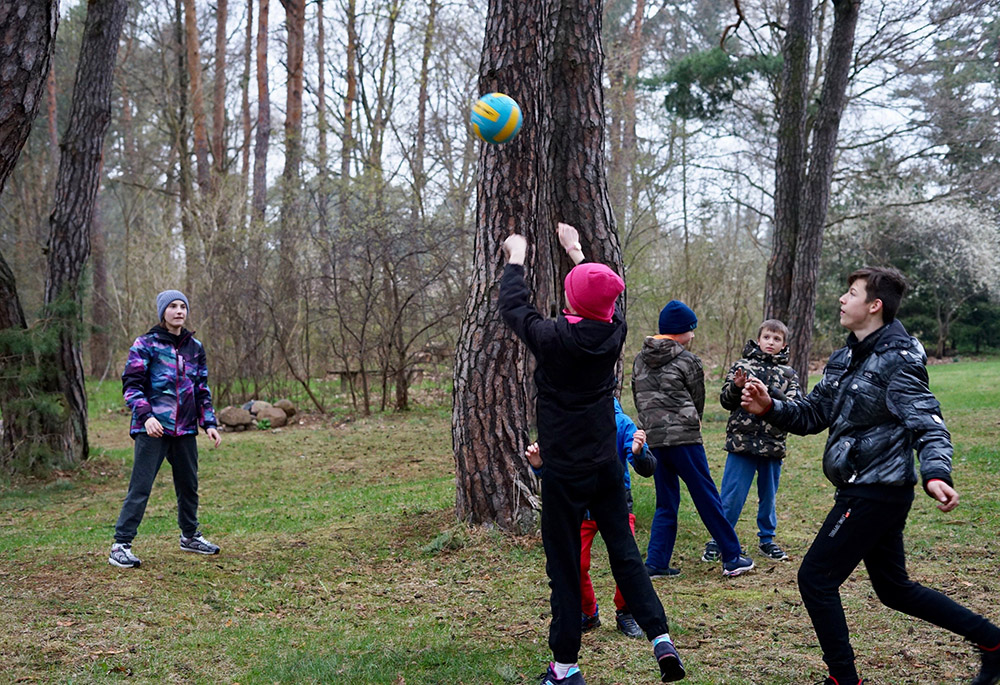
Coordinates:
677	318
165	298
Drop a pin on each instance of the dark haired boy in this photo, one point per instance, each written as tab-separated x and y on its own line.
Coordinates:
875	400
576	355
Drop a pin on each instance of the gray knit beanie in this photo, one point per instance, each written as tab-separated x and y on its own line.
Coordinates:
165	298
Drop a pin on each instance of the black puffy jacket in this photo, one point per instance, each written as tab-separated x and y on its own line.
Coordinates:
875	400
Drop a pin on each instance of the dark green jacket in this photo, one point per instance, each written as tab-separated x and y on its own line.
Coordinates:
748	434
668	385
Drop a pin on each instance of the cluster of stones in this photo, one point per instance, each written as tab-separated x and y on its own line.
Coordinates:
246	417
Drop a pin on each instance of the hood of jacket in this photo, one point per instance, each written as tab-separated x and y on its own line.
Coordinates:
657	351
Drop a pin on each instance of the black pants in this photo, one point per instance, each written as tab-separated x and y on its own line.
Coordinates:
861	529
565	498
182	453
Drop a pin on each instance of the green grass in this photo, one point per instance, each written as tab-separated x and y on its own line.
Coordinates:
343	563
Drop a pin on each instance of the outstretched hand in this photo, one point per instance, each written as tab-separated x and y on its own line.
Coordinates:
515	247
756	399
740	378
946	495
569	238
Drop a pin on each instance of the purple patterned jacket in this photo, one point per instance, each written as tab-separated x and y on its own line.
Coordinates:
166	377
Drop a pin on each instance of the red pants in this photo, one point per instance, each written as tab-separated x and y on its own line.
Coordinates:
589	602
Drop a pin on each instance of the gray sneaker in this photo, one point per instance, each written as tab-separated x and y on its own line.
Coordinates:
198	544
711	551
122	557
771	550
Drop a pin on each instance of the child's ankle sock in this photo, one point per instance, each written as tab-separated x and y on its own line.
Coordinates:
561	670
661	638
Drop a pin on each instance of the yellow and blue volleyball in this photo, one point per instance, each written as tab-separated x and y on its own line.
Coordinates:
495	118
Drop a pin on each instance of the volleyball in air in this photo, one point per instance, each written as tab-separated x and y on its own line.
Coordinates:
495	118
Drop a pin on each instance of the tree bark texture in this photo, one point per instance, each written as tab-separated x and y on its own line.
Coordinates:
79	177
295	11
219	93
546	55
790	161
29	30
822	156
100	340
199	126
263	134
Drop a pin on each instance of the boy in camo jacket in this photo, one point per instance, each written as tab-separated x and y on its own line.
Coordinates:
756	447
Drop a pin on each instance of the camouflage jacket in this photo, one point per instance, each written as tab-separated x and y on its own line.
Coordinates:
746	433
668	385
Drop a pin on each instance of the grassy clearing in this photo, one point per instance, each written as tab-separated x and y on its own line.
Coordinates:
342	563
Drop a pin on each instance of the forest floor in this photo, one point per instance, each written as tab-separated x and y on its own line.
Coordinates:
342	562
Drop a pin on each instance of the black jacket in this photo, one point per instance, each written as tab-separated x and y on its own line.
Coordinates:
875	400
574	376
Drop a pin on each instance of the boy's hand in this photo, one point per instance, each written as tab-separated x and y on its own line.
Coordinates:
740	378
154	428
533	455
514	248
214	434
638	440
569	238
755	398
943	493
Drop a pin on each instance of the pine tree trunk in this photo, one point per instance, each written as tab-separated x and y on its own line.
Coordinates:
549	58
790	161
73	208
100	339
291	211
219	93
200	129
822	156
263	134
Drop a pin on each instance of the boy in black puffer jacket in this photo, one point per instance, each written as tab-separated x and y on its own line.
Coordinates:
755	447
876	403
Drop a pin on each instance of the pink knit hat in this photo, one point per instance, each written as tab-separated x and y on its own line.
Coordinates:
591	290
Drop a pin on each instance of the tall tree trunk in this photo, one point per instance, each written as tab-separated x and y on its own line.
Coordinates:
100	340
50	103
200	129
76	194
789	173
29	30
185	183
491	401
288	281
245	115
549	59
219	93
263	134
417	163
822	155
350	95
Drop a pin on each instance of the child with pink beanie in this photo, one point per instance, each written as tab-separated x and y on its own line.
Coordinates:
576	355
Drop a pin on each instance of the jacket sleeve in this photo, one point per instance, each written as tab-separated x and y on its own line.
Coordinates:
794	390
804	415
730	396
203	395
696	386
644	463
911	401
134	381
516	308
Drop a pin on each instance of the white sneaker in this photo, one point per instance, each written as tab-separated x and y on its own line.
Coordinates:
198	544
122	557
